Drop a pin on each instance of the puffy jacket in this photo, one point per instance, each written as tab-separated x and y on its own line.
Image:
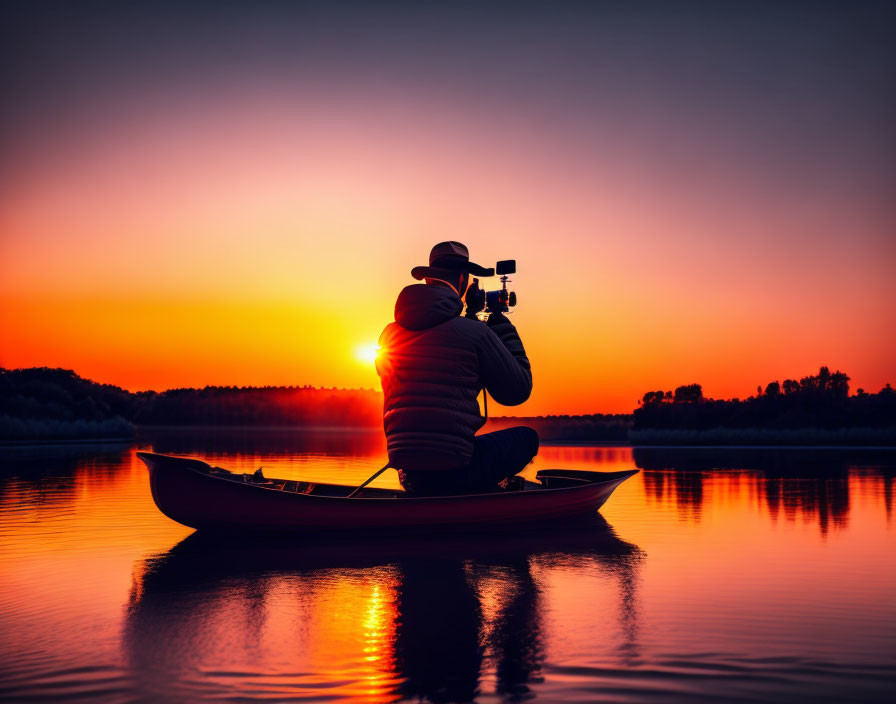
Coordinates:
433	364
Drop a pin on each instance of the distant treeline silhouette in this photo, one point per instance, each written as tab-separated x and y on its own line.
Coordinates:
263	406
816	409
590	428
42	403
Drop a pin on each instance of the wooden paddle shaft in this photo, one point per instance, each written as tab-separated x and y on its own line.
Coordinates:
369	479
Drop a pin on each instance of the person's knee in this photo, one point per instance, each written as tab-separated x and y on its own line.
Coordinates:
530	440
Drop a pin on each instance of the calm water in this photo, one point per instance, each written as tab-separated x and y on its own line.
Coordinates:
715	575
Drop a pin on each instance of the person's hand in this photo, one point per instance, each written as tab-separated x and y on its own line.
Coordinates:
496	318
474	299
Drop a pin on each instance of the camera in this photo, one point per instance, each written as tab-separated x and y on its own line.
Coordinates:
481	303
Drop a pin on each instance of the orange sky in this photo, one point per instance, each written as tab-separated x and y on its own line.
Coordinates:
257	230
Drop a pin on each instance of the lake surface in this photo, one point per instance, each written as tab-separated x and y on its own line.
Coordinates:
736	575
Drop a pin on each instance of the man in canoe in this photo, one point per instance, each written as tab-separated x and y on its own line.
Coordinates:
433	363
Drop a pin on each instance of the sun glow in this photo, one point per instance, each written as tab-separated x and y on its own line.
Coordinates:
367	353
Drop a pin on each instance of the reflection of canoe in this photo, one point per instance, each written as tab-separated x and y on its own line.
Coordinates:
193	493
408	617
203	560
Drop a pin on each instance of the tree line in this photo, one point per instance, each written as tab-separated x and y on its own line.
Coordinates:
590	428
43	403
816	406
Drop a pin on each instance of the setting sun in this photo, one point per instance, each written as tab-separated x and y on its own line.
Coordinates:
367	352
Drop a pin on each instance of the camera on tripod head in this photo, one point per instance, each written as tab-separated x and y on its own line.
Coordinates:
481	303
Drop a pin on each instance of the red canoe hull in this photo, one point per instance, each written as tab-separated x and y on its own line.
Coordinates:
184	491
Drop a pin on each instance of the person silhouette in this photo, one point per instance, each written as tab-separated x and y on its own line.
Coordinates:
433	363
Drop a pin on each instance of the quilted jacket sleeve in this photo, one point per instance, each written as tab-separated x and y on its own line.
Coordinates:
503	365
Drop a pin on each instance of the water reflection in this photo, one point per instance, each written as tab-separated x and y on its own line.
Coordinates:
745	596
380	621
438	651
44	482
786	482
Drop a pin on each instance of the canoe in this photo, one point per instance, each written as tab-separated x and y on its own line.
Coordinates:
208	498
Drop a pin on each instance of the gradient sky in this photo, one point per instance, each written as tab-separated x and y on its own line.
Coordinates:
234	193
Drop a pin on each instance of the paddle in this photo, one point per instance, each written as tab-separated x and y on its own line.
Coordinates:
369	479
